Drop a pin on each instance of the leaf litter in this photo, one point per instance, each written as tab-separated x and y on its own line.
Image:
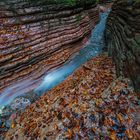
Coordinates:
91	104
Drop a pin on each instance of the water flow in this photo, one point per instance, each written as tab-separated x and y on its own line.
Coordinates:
93	48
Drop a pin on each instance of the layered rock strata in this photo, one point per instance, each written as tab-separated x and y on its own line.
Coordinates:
38	36
123	39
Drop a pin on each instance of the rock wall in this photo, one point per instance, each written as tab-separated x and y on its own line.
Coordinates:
37	36
123	39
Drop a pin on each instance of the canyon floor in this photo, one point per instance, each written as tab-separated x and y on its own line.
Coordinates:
91	104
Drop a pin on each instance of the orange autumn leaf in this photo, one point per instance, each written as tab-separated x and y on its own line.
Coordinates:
55	126
119	117
112	135
129	133
68	134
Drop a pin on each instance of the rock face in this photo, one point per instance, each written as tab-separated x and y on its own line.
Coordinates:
123	39
36	36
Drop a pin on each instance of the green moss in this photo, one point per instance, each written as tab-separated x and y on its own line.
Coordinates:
67	2
70	2
79	17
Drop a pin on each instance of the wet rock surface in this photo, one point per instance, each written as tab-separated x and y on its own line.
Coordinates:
123	39
89	104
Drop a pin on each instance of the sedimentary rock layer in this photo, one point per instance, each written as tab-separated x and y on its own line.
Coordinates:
123	39
36	36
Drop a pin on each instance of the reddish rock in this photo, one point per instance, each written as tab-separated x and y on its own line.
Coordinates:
38	37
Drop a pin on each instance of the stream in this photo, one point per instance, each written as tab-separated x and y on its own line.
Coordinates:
93	48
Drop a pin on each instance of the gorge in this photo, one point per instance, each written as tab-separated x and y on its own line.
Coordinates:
56	79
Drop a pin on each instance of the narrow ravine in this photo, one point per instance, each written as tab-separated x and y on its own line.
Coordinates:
93	48
15	98
69	70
